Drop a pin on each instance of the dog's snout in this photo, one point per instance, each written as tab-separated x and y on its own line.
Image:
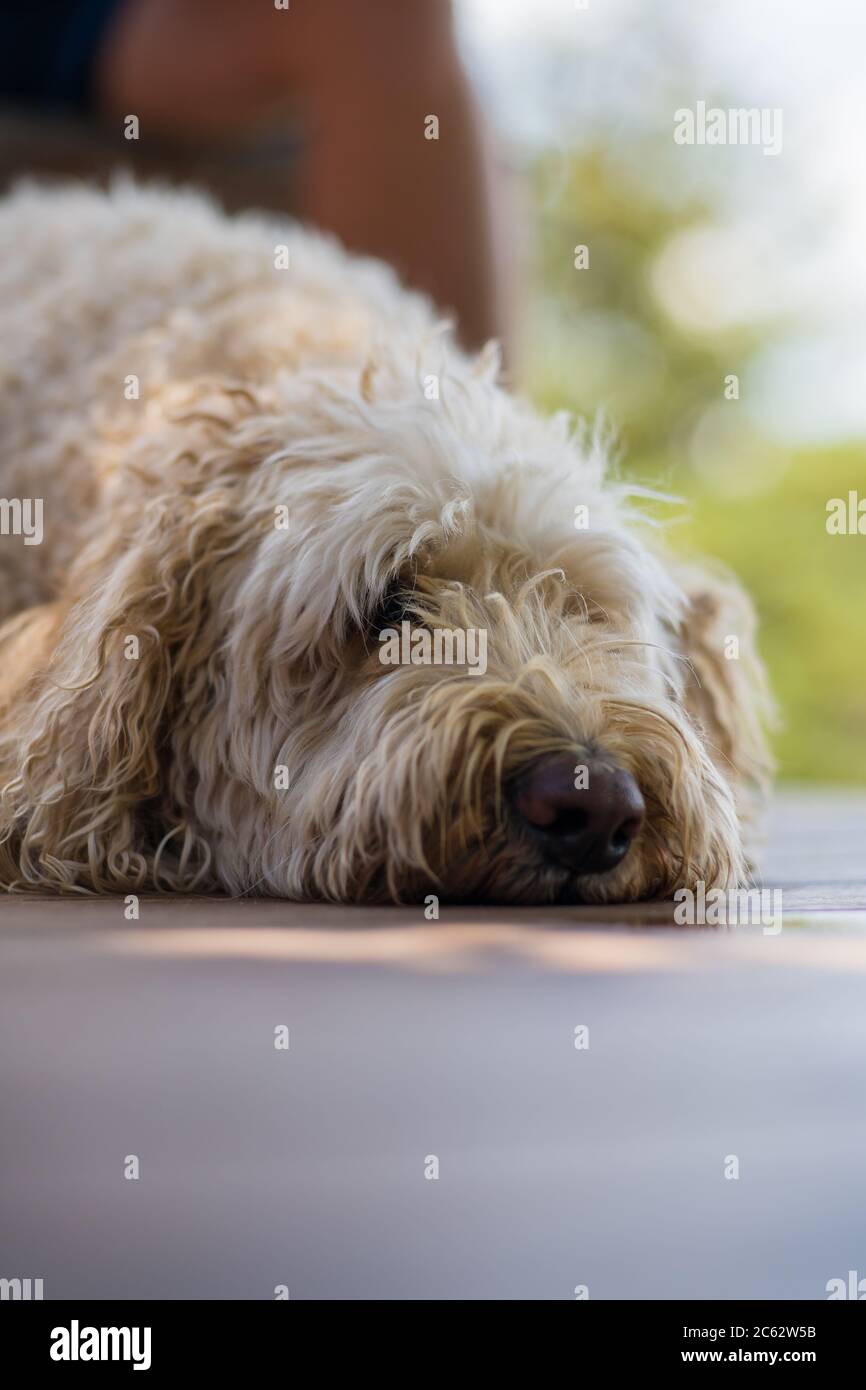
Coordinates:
586	817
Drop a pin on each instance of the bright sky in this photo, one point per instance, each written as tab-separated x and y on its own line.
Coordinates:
795	231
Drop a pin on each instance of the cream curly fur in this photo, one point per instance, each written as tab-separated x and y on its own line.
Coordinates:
304	388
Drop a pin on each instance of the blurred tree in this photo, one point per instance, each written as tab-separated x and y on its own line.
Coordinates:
603	337
600	336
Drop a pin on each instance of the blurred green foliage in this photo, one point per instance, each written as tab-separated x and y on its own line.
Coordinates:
600	337
810	593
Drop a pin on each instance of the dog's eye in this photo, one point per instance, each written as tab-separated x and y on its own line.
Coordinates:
391	611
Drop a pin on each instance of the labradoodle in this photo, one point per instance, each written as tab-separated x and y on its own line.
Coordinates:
295	599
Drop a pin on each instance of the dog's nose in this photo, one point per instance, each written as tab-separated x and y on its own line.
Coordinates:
585	821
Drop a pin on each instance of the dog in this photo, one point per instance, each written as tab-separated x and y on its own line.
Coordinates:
259	464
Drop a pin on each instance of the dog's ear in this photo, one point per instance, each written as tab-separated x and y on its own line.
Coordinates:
83	732
95	766
726	691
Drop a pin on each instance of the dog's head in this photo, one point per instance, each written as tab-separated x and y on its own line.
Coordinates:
373	640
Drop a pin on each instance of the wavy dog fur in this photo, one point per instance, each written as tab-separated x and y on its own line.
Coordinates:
169	646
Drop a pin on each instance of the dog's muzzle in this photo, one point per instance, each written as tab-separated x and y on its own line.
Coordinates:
583	818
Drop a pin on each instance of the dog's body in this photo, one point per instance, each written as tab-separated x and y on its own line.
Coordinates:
254	453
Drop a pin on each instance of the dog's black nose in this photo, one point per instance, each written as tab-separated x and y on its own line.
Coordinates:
585	820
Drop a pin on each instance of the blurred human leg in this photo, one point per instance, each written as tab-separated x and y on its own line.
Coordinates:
364	79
